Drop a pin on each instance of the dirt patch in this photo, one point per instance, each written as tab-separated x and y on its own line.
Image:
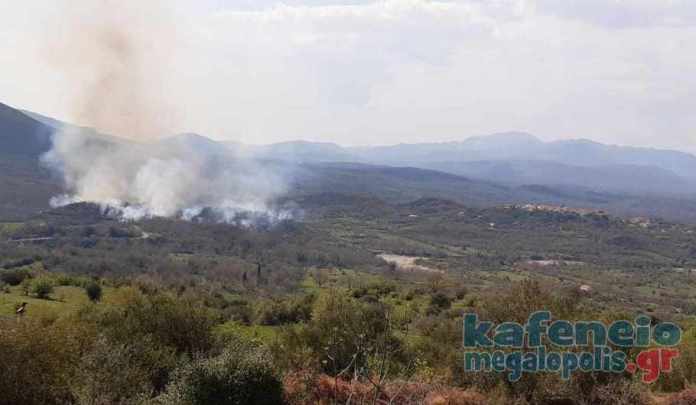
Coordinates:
547	263
408	263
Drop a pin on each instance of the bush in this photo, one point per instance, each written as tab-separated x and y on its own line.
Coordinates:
14	277
683	373
18	263
296	310
438	302
343	334
42	287
619	391
461	293
239	310
180	324
37	359
66	280
94	291
242	374
303	388
687	397
112	373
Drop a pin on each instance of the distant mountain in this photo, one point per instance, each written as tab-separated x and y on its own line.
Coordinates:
583	152
302	152
626	178
194	142
505	168
48	121
518	158
399	184
57	126
20	135
25	187
501	146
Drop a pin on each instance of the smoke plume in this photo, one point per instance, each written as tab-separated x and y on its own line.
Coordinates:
116	56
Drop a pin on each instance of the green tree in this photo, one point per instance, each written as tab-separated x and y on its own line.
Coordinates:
94	291
42	287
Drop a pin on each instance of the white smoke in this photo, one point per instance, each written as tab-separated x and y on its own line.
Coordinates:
184	177
116	55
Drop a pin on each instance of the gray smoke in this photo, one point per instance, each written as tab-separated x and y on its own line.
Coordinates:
115	55
175	177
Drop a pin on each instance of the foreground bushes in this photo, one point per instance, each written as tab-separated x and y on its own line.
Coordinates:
183	325
42	287
302	389
241	374
116	373
156	348
37	360
687	397
93	291
344	335
13	277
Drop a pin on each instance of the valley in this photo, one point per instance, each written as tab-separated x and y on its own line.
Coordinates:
397	253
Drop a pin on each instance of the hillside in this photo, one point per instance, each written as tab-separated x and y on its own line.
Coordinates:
309	168
22	136
25	187
517	158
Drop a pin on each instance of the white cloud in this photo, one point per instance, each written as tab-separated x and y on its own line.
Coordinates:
390	71
622	13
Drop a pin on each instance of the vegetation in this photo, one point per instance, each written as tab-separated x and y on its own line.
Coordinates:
94	291
311	312
241	374
42	287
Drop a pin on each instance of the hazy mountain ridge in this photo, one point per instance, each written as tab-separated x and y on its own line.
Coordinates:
396	174
20	135
519	158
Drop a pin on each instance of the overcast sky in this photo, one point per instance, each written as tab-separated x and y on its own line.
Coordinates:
358	72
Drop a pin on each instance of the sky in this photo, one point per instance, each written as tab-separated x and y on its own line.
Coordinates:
358	72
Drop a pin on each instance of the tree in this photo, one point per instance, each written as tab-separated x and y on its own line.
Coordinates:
94	291
42	287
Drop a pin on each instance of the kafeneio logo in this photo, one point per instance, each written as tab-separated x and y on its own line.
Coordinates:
566	347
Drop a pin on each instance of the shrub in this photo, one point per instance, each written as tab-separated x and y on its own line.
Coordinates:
94	291
37	359
296	310
14	277
438	302
242	374
687	397
120	373
42	287
239	310
180	324
619	391
684	371
66	280
343	335
461	293
18	263
303	388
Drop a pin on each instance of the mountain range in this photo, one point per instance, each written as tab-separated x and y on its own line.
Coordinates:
502	168
517	158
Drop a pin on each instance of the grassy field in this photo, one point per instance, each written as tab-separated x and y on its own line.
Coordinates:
7	228
64	299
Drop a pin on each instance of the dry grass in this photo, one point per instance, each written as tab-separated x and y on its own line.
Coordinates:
306	389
